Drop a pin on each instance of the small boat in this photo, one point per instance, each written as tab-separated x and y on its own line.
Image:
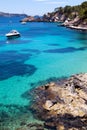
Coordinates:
13	34
23	22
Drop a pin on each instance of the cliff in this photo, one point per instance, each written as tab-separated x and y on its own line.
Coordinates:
74	15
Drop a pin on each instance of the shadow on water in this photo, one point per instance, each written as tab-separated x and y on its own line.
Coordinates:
34	51
16	69
12	64
54	44
65	50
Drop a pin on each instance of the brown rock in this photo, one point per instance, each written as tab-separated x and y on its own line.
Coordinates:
65	103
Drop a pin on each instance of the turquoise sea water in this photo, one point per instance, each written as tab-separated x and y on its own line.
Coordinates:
44	52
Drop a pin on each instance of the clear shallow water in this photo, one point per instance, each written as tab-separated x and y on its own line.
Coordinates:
44	52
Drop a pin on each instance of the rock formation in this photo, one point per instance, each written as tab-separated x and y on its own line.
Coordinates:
74	15
63	106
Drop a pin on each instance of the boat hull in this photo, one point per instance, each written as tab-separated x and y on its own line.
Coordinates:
13	36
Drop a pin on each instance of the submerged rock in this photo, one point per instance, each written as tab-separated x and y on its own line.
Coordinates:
63	106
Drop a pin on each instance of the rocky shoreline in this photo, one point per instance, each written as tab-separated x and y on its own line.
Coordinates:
72	25
60	105
78	28
63	106
73	17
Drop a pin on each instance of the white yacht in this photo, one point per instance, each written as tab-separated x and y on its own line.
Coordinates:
23	22
13	33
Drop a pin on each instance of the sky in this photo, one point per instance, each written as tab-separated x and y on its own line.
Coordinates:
34	7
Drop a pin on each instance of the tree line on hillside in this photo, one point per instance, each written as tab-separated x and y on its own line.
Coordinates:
72	11
78	12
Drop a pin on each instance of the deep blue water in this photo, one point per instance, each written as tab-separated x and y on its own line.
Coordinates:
44	52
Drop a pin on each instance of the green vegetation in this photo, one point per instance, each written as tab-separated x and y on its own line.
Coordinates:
83	10
73	11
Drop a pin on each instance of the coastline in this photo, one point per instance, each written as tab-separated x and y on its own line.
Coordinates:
32	125
77	27
63	106
72	26
37	91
